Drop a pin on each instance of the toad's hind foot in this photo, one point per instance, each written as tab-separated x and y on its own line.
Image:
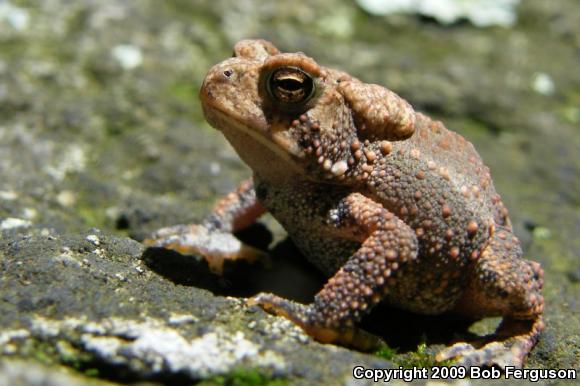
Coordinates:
512	351
494	353
213	245
300	314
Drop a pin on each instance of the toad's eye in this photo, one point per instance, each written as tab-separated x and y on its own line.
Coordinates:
290	86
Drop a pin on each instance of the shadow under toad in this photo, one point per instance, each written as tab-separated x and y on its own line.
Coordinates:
292	277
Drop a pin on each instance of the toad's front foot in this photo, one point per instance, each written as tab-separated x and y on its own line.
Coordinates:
213	245
302	315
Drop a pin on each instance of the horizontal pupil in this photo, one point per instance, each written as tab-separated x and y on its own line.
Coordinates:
290	84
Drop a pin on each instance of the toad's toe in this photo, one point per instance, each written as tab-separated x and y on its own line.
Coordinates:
214	246
301	315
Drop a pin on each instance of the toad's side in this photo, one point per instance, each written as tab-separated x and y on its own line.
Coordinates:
389	204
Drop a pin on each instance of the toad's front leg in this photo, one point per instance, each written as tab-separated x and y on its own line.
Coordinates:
213	239
387	243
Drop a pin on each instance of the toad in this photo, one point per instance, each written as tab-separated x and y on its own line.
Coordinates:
389	204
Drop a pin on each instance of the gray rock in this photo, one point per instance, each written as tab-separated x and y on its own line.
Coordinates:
91	301
102	141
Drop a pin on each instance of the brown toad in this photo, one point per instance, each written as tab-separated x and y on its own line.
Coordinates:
388	203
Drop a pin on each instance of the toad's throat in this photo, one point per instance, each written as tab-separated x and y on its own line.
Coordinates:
275	141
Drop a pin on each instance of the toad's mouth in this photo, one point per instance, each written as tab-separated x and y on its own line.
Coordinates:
270	137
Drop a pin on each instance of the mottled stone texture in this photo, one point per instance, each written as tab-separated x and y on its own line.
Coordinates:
101	126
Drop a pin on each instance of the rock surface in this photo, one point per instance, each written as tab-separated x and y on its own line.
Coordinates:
102	140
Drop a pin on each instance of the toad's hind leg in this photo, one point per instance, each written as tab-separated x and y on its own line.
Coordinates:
213	239
502	283
361	282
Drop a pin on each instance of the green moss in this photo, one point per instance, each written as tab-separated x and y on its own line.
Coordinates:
420	358
52	353
243	377
93	373
93	217
386	352
43	352
10	47
77	359
43	356
184	92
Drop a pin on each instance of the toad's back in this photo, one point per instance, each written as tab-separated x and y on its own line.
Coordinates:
437	184
434	182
